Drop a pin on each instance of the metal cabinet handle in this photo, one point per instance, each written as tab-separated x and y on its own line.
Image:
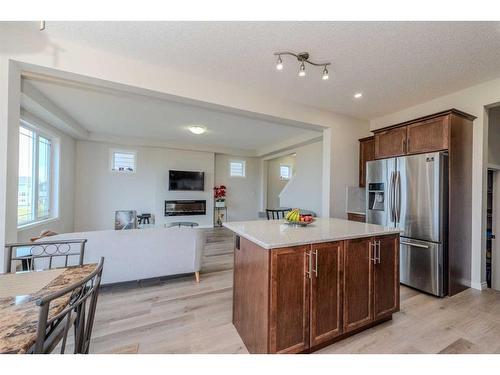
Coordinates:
315	263
373	253
308	271
378	251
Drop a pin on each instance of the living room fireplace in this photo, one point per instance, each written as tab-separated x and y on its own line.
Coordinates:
185	207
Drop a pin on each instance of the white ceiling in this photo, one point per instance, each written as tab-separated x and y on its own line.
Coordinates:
131	116
394	64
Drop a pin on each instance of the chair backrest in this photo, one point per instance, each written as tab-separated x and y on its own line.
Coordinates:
273	214
79	313
44	251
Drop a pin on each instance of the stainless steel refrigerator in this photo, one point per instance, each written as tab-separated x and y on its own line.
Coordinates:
410	193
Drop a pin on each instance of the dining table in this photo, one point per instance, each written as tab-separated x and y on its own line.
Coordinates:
19	293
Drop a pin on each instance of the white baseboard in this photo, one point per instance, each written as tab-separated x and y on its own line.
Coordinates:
479	286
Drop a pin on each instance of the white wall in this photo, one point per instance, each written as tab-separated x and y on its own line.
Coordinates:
472	100
275	184
65	180
243	194
100	192
494	136
35	52
304	189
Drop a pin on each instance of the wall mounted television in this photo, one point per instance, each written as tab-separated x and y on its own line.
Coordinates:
186	180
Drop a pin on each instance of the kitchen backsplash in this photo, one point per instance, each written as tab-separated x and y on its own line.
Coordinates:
355	199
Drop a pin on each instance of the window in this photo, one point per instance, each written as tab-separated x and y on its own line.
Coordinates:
237	168
285	172
34	197
123	161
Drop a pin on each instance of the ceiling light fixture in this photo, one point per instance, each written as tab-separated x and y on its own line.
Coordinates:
303	58
42	25
358	95
197	129
279	64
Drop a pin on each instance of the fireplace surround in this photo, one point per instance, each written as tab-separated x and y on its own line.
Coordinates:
185	207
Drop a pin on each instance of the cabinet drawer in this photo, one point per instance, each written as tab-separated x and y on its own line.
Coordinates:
356	217
391	142
428	136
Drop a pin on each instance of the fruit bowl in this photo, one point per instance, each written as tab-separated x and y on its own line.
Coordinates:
299	223
294	217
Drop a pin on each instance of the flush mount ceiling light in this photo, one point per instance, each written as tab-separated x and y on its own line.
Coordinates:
197	129
303	58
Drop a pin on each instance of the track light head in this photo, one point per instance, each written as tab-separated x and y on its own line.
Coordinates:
325	74
279	63
302	70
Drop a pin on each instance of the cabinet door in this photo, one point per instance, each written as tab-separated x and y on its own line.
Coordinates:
289	309
326	292
428	136
390	143
358	276
386	276
366	153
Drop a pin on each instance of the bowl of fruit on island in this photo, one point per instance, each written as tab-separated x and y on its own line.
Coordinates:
294	217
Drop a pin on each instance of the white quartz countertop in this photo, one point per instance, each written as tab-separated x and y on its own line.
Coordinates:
271	234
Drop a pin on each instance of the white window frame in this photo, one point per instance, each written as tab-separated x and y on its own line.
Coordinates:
243	166
114	151
289	169
53	179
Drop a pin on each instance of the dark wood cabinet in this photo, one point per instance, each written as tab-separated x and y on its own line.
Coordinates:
366	153
386	277
390	142
371	280
289	309
358	279
326	292
356	217
301	298
428	136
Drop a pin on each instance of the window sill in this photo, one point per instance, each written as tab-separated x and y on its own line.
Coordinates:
37	224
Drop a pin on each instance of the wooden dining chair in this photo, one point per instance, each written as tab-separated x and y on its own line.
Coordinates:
274	214
45	252
80	300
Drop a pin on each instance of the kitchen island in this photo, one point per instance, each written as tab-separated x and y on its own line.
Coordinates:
297	289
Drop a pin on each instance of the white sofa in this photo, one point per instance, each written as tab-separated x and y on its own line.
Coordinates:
142	253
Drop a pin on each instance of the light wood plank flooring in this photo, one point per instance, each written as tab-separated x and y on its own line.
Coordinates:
179	316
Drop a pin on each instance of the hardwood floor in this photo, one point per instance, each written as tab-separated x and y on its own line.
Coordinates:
177	315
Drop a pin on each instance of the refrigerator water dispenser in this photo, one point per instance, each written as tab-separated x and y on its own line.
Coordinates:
376	196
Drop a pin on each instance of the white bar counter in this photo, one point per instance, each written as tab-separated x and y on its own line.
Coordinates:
271	234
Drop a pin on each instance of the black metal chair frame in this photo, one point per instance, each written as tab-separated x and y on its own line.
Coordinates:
77	313
270	213
44	249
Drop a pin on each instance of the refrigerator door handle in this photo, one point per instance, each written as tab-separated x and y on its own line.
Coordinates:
391	197
414	244
397	196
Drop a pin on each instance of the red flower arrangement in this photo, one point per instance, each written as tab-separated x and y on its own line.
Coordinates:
220	193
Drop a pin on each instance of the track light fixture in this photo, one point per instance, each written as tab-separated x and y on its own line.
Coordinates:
42	25
303	58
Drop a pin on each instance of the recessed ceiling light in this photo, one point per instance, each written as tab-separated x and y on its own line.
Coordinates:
358	95
197	129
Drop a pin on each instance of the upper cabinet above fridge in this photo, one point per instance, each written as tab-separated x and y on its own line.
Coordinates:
427	134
